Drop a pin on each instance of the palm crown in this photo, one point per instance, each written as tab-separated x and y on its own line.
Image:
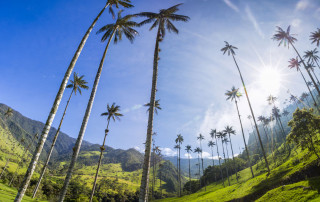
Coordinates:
112	112
179	139
116	3
228	49
261	118
294	63
311	56
213	133
229	130
197	150
200	137
271	99
284	37
77	83
315	37
123	25
188	148
211	144
163	19
156	106
276	112
233	94
285	113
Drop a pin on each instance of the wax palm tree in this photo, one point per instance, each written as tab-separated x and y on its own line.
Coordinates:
213	134
76	85
177	146
312	57
261	120
156	106
294	100
198	151
310	67
285	113
162	20
113	112
230	131
305	96
53	111
230	50
254	134
284	37
315	37
189	150
221	135
276	113
211	144
234	94
179	141
123	25
200	138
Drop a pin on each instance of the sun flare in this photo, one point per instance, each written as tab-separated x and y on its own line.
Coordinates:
270	79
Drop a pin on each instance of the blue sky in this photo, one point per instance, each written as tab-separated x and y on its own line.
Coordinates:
38	40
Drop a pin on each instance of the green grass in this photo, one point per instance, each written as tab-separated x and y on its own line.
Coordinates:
9	194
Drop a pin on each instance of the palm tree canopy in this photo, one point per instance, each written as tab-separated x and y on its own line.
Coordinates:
163	19
116	3
310	67
315	37
233	94
229	130
179	139
276	112
188	148
200	137
293	98
225	140
213	133
123	25
271	99
211	144
311	56
9	112
261	118
156	106
285	113
309	83
294	63
77	83
284	37
228	48
304	95
197	150
176	146
112	112
221	134
249	117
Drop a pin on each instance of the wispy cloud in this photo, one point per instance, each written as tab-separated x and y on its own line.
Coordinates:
302	5
231	5
168	151
253	21
133	108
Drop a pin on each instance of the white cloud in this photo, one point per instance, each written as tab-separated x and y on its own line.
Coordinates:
296	22
187	155
253	21
231	5
168	151
133	108
302	5
206	155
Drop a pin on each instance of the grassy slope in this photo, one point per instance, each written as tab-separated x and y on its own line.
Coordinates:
262	183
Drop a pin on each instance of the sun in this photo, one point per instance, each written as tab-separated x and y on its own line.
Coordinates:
270	79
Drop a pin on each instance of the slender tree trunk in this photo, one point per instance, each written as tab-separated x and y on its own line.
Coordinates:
4	168
235	166
225	163
153	184
252	114
143	197
219	162
305	66
51	149
32	166
77	146
199	169
102	148
215	175
314	100
317	64
244	140
205	186
315	76
189	172
179	171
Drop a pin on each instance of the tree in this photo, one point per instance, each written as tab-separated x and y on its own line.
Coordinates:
305	96
76	85
53	111
222	136
198	150
234	94
229	130
111	113
310	67
163	21
304	129
179	141
123	25
230	49
156	106
285	113
312	57
315	37
284	37
177	146
189	150
213	134
254	134
200	138
276	113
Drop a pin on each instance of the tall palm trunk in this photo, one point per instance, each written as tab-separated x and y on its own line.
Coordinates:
143	196
235	166
205	186
317	64
153	184
179	171
199	168
225	163
252	114
244	139
4	169
51	149
254	135
314	100
219	162
77	146
102	148
305	66
189	173
45	131
215	175
315	76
